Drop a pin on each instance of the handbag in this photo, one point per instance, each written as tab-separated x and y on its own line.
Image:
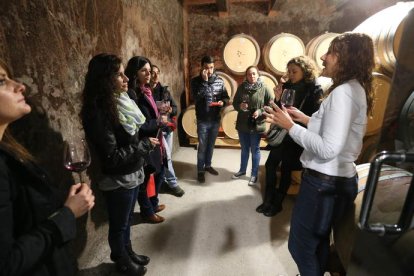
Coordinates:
275	134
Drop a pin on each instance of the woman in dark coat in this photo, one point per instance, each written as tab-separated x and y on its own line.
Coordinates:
37	221
111	121
138	71
302	75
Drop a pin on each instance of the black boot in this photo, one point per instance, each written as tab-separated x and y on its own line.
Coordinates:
126	266
264	207
138	259
276	205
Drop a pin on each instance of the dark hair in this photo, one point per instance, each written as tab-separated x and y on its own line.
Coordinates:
355	53
307	66
8	141
133	66
250	67
207	60
99	90
155	66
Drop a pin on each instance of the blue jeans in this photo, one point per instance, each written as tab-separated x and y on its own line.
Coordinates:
319	205
120	204
250	142
170	177
207	132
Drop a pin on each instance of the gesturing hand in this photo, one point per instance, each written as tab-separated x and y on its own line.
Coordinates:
278	116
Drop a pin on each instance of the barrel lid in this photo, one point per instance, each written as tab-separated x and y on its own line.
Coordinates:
240	52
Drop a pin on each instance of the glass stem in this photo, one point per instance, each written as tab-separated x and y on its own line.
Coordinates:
80	177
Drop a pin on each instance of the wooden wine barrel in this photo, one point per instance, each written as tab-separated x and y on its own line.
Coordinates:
385	28
389	198
268	79
229	83
318	46
240	52
228	122
280	49
406	123
189	121
369	149
382	88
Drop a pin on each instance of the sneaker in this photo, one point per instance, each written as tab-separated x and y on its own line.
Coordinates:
252	181
237	175
211	170
200	177
177	191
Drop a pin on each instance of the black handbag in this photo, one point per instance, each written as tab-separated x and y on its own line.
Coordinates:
275	134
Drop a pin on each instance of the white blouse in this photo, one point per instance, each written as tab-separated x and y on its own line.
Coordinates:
333	139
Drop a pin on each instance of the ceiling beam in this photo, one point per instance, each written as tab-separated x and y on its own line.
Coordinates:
223	8
273	8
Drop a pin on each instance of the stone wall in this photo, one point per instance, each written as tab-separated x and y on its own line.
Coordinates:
49	43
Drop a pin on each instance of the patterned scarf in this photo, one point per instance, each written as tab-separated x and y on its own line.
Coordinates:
130	116
252	86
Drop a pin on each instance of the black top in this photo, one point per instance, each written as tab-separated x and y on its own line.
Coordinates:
35	226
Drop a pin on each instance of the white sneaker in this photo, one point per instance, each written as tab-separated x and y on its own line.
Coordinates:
252	181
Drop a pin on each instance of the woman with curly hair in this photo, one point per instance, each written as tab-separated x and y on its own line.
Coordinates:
331	142
112	121
301	73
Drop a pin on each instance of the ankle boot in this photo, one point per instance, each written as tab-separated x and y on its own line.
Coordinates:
276	205
126	266
138	259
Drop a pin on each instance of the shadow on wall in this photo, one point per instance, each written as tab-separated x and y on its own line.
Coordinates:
35	133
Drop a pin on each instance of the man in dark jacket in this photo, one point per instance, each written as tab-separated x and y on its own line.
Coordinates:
210	95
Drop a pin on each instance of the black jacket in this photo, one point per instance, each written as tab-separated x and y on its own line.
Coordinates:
149	128
161	93
118	151
35	226
205	92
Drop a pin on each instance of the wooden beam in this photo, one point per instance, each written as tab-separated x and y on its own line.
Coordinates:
223	8
273	8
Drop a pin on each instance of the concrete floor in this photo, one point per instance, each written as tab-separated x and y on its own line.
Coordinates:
213	229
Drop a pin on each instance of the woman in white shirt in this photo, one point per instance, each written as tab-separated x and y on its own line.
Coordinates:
332	142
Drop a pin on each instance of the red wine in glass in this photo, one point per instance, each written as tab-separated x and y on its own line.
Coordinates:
76	157
288	97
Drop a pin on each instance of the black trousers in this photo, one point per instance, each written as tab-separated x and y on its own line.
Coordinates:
287	156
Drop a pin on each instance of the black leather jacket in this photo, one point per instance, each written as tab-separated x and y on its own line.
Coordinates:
119	152
205	92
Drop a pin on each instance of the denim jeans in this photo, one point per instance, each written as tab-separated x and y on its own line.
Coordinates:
170	177
120	204
148	205
250	142
207	132
319	205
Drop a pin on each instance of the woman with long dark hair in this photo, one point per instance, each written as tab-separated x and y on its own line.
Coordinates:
37	221
111	121
138	71
332	142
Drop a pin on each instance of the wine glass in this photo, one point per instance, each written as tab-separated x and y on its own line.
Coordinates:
76	156
245	99
288	97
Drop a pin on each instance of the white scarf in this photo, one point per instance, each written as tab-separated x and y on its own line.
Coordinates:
130	116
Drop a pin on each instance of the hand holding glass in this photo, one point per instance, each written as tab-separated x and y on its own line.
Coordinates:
288	97
76	157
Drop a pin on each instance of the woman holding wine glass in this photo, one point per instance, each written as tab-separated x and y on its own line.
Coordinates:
36	221
301	91
111	121
332	142
138	71
250	98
